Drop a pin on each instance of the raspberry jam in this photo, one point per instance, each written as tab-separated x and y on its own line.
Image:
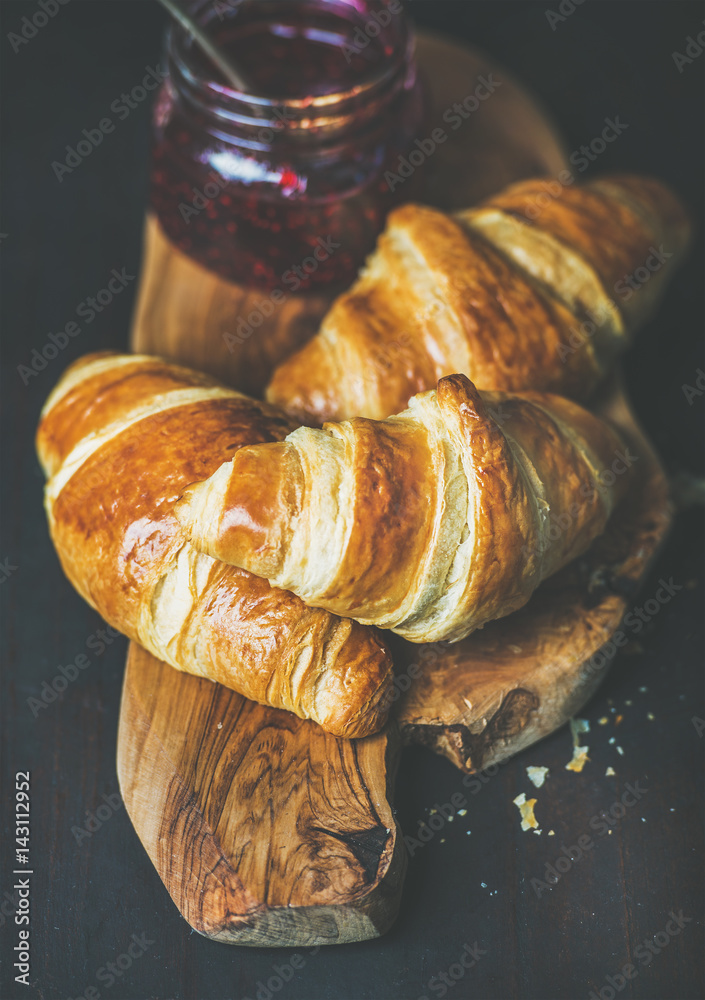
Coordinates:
285	185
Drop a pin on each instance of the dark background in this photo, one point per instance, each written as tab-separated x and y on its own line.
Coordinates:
605	59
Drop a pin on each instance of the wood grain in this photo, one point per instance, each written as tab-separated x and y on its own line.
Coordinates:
187	313
265	829
517	680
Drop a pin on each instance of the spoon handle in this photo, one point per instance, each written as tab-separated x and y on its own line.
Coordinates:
224	64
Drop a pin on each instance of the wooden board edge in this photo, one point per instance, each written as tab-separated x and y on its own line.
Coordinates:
216	909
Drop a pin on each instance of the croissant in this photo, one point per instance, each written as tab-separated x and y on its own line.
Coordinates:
120	438
537	288
429	523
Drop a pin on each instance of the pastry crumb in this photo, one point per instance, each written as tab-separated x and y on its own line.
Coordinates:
610	772
580	759
537	775
580	753
526	810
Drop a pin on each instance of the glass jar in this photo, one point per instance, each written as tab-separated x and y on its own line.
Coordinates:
284	187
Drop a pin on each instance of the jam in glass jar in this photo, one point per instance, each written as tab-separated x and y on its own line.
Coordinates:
284	187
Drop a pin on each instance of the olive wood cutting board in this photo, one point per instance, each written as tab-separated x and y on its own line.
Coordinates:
265	829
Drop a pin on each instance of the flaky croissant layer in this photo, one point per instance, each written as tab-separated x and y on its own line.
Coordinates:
120	438
540	287
429	523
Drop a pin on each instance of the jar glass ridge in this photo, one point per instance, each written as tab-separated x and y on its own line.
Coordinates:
251	184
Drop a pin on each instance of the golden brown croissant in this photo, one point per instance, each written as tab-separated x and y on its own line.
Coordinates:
431	522
120	438
537	288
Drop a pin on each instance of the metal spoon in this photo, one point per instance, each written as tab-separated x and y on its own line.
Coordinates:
223	62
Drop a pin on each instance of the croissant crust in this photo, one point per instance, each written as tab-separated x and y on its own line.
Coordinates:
431	522
533	289
120	438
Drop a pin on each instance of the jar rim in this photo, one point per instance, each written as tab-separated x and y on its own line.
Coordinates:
313	106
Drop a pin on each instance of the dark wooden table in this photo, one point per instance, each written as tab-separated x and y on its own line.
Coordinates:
479	887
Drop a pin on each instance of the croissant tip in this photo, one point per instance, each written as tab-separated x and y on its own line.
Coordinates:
457	379
461	392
